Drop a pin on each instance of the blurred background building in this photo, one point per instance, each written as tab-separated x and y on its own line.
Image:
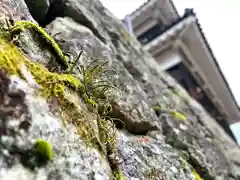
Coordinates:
180	47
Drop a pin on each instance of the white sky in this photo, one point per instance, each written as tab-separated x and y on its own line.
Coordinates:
220	21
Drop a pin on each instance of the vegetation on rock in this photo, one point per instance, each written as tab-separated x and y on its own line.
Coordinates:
21	25
43	148
193	171
173	112
93	88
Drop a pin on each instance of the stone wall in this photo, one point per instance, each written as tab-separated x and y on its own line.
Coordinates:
152	144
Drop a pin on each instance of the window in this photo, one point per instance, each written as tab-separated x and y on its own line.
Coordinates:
150	34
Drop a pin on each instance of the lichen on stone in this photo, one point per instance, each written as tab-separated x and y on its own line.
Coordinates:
21	25
176	114
193	171
54	85
196	175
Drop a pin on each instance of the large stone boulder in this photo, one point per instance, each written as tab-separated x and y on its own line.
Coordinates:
135	141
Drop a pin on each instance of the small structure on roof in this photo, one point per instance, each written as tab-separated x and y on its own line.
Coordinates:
179	46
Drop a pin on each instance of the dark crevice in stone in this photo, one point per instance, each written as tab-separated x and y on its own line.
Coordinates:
59	8
132	70
81	19
202	171
45	15
114	38
56	9
137	128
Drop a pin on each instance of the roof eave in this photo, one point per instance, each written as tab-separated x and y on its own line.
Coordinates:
148	5
180	20
215	62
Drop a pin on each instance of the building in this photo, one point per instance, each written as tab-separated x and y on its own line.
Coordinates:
179	46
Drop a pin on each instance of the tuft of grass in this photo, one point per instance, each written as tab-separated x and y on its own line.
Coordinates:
97	79
94	87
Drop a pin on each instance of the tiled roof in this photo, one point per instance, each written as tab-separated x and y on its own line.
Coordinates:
170	32
140	7
187	15
191	13
148	2
174	8
214	59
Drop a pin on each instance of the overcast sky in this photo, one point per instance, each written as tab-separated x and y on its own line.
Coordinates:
220	21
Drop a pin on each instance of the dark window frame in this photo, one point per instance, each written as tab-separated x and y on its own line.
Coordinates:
151	33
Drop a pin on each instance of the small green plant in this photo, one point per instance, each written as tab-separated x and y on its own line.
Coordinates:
44	149
95	78
93	86
37	156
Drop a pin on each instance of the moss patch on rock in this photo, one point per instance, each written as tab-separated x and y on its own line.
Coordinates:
52	85
21	25
44	149
55	86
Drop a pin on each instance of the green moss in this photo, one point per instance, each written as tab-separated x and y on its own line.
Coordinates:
9	59
196	175
55	86
193	171
181	96
21	25
178	115
52	85
44	148
174	113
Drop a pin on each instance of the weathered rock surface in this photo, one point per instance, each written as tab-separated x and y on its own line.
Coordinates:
86	25
73	161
